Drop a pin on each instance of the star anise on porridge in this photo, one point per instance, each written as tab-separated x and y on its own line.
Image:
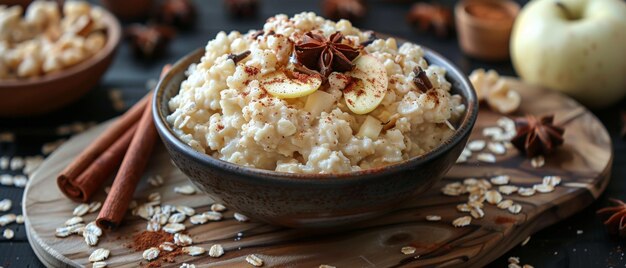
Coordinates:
326	55
615	217
537	136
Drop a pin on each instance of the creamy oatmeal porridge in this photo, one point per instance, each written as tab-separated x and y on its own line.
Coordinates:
309	95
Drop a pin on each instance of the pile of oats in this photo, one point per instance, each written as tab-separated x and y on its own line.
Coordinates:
515	263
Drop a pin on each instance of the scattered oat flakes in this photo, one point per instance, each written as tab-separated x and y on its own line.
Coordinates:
74	220
552	180
218	207
99	255
538	161
187	265
433	218
186	210
496	148
20	181
99	264
185	189
505	204
407	250
144	211
462	221
476	145
4	162
240	217
525	241
17	163
254	260
194	250
154	197
463	207
177	218
8	234
81	210
173	228
213	216
523	191
515	208
182	239
486	158
216	251
543	188
167	246
151	253
94	206
155	180
6	179
508	189
493	197
514	260
198	219
5	205
477	212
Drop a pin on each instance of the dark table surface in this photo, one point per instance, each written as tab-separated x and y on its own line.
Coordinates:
579	241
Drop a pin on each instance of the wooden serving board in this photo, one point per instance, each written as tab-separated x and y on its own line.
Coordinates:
583	162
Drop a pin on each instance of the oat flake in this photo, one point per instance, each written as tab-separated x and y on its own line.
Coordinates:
493	197
177	218
99	255
8	234
73	221
433	218
198	219
173	228
407	250
99	264
515	208
5	205
185	189
151	253
476	145
213	216
505	204
7	219
462	221
94	206
81	210
182	240
194	251
19	219
508	189
218	207
185	209
254	260
537	161
167	246
486	158
216	251
240	217
500	180
523	191
543	188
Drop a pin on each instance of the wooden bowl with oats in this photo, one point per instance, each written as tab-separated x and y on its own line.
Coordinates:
38	95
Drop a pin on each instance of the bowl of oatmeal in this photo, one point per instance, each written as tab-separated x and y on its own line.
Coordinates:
51	56
313	123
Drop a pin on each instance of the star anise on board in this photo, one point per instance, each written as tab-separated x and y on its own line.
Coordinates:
150	41
352	10
615	217
537	136
316	52
425	17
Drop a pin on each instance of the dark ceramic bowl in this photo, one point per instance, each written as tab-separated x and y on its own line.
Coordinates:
313	200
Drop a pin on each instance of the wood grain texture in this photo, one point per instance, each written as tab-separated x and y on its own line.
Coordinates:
583	163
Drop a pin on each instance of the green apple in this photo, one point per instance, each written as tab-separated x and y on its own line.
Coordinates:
281	85
368	85
574	46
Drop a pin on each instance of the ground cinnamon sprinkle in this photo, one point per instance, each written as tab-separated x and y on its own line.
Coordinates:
148	239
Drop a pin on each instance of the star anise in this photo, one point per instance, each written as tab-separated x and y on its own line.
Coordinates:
425	17
615	217
537	136
150	41
326	55
352	10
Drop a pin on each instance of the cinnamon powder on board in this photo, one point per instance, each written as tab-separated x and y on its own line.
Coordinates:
148	239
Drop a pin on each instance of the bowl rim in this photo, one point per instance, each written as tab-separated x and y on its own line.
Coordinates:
465	126
114	35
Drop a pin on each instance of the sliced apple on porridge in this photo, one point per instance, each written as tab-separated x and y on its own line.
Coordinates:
368	85
287	84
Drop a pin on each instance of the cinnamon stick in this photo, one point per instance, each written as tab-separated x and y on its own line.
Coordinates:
67	180
130	171
91	180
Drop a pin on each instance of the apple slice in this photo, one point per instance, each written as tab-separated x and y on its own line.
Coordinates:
319	102
370	128
288	85
368	86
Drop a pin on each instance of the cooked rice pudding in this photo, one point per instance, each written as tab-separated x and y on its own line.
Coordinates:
309	95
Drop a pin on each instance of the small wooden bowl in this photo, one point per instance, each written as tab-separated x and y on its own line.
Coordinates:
484	27
38	95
